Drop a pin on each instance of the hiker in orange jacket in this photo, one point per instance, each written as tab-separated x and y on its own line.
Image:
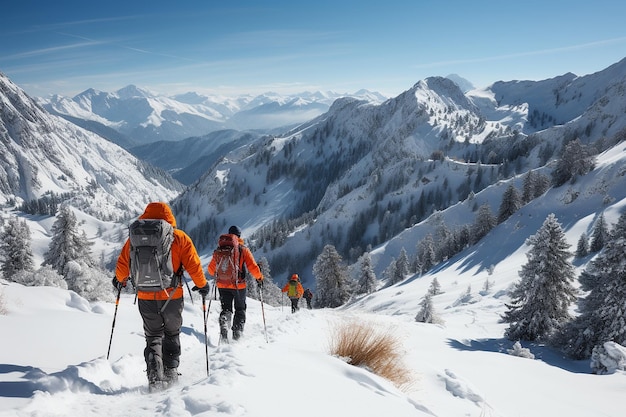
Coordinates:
234	293
294	291
162	328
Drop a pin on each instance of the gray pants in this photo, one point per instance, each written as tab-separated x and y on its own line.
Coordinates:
162	332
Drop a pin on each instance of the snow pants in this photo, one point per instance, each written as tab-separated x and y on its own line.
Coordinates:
162	332
294	304
230	298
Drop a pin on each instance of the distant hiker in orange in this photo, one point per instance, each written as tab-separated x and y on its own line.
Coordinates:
308	296
161	305
228	265
294	291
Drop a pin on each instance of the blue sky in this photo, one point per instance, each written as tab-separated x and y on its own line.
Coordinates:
239	46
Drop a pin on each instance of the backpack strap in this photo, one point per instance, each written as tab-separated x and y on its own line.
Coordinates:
176	281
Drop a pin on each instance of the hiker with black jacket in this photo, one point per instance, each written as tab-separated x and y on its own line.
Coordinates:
308	296
232	289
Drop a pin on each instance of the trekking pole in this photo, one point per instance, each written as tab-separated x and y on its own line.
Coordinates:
206	340
263	313
117	303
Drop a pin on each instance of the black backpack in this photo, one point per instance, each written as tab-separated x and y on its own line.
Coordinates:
151	267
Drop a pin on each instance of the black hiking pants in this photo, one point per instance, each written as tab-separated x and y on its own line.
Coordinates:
230	298
162	331
294	304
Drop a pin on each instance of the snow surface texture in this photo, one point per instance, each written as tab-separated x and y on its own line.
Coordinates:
53	361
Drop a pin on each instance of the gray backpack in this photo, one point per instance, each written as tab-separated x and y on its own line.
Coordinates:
151	267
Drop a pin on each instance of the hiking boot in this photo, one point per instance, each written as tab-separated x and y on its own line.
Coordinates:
237	334
155	370
224	334
170	375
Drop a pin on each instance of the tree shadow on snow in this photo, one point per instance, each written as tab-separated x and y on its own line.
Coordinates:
542	353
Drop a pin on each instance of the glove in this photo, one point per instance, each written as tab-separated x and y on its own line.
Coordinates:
259	283
117	284
204	291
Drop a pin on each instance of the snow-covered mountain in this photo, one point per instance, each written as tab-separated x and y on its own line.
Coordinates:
144	117
361	174
361	177
45	157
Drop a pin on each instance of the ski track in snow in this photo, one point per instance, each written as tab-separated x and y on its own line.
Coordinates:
90	388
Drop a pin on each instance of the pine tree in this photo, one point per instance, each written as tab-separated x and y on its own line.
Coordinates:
582	248
541	299
367	281
435	287
577	160
332	281
67	243
271	292
402	267
534	185
511	202
603	311
426	257
15	248
485	221
426	314
528	186
599	234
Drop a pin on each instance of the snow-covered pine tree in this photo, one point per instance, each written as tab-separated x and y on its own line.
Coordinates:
540	301
366	283
435	287
484	222
582	248
534	185
426	314
331	277
271	291
15	248
603	311
599	234
389	273
426	257
577	160
67	243
511	202
402	267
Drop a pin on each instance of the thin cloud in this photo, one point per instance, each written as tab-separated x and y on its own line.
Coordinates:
523	54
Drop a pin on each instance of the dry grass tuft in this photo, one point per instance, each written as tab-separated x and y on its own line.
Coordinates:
362	345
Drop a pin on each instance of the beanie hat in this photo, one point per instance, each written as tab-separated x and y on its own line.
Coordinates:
234	230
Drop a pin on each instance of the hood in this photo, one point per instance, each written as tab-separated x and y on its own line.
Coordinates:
159	210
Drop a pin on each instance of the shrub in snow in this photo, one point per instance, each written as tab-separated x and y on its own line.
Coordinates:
361	344
608	358
88	282
520	351
466	298
46	276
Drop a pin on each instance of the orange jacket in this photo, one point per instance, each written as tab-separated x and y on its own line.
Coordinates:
183	253
299	288
245	258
